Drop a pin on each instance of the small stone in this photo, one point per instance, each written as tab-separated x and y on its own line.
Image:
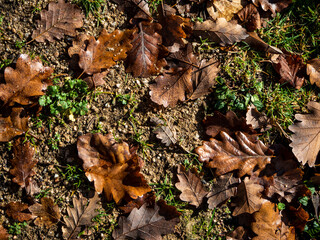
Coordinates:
118	85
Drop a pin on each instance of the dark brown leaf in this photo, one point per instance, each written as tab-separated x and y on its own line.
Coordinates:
80	215
313	70
191	187
250	17
165	133
256	119
247	154
273	5
257	43
224	188
17	211
47	213
148	198
237	234
60	19
112	166
298	217
3	233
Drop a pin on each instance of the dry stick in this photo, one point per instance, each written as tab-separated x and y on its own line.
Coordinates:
80	75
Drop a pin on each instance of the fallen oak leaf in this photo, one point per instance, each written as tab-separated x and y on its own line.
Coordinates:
250	17
60	19
313	70
256	119
223	8
17	211
148	198
298	217
273	5
166	134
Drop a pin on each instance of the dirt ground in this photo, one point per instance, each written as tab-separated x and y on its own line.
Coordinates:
129	122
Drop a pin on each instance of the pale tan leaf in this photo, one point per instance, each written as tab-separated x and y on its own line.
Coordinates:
313	70
165	133
256	119
273	5
223	8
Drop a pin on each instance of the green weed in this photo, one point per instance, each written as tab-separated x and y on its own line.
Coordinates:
73	174
153	5
53	142
43	193
5	62
90	6
17	228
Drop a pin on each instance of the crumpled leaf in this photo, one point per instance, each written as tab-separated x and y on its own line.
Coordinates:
47	213
248	198
224	188
143	59
315	202
256	119
111	166
291	69
3	233
190	185
250	17
13	125
166	134
60	19
313	70
221	31
246	153
25	83
103	53
306	138
148	198
268	224
223	8
144	223
273	5
22	163
17	211
80	215
298	217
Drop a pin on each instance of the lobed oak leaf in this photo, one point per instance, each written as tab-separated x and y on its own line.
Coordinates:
3	233
47	213
144	59
268	224
17	211
60	19
273	5
247	154
102	54
313	70
144	223
112	166
223	8
248	198
166	134
224	188
191	187
256	119
306	138
250	17
25	83
291	69
22	163
221	31
80	215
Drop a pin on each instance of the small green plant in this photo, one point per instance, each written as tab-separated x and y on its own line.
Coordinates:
153	5
1	19
124	99
20	44
43	193
17	228
5	62
53	142
73	174
92	6
281	206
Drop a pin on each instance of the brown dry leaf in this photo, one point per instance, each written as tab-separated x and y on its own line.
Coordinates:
291	69
144	223
248	198
223	8
256	119
61	19
148	198
298	217
112	166
268	224
313	70
103	53
47	213
143	5
257	43
247	154
95	80
224	188
250	17
143	59
25	83
306	138
79	216
17	211
238	234
13	125
190	185
273	5
221	31
166	134
22	163
228	123
3	233
315	202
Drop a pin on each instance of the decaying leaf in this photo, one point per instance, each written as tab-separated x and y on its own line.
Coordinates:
306	138
144	223
256	119
298	217
223	8
25	83
3	233
250	17
268	224
143	59
112	166
257	43
273	5
221	31
101	54
248	198
315	202
47	213
17	211
80	215
190	185
148	198
291	69
224	188
165	133
247	154
313	70
60	19
143	5
22	163
237	234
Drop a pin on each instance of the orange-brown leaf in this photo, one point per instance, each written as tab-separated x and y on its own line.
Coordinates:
17	211
25	83
3	233
298	217
250	17
60	19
